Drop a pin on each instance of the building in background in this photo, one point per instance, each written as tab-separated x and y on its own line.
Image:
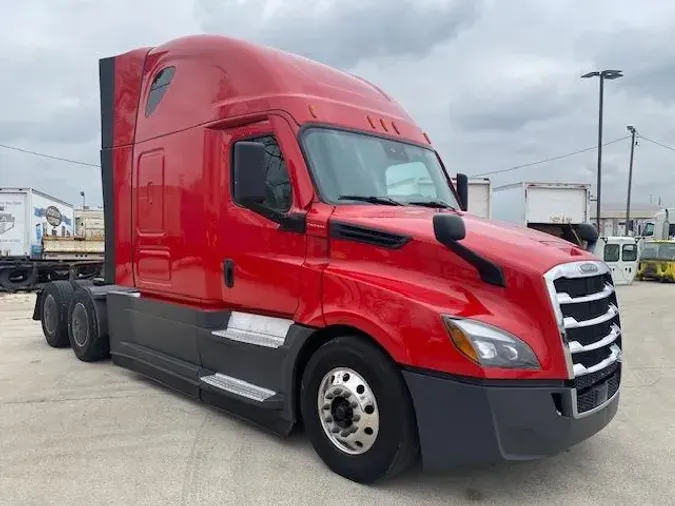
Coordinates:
613	218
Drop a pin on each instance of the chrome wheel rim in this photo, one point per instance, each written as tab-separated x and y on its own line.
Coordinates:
348	411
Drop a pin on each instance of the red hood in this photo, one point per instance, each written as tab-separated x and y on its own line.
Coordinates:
505	244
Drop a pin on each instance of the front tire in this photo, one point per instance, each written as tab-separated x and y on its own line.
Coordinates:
357	411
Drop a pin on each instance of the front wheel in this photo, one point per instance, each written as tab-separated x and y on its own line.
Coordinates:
357	411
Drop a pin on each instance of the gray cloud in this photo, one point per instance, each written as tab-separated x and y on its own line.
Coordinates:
495	84
512	110
346	32
648	59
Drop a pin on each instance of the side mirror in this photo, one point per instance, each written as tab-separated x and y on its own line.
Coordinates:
250	177
463	191
449	228
587	232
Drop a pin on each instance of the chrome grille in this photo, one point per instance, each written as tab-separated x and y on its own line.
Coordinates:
587	312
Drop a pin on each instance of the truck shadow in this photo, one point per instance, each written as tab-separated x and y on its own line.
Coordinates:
513	482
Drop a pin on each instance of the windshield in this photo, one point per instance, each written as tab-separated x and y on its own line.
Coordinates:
655	251
357	167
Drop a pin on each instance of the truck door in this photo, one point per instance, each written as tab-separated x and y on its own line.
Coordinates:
621	257
611	254
261	260
629	261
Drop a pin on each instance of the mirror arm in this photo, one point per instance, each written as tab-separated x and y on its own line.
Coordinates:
293	222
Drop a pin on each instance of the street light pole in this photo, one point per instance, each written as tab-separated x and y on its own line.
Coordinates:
633	133
603	75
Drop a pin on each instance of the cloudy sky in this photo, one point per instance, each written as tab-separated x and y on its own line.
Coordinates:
495	83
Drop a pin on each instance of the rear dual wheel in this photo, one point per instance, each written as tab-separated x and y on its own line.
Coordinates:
54	301
357	411
87	327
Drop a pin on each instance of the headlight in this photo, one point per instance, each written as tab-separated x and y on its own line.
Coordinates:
489	346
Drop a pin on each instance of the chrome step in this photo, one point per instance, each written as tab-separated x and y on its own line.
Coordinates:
238	387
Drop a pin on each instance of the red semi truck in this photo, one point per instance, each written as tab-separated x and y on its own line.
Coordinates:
255	260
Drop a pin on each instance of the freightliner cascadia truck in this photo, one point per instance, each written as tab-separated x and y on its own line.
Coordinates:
256	260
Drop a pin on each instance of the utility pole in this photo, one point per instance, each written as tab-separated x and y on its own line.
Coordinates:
633	133
603	75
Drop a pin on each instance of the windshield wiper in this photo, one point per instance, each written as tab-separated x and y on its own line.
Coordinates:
431	203
372	199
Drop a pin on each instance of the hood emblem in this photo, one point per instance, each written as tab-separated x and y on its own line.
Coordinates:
588	268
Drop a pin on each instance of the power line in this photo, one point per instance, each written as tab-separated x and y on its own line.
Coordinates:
509	169
657	143
51	157
559	157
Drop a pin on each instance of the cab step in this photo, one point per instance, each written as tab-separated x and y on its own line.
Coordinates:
237	388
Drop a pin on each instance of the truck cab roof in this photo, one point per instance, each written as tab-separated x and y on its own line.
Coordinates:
203	79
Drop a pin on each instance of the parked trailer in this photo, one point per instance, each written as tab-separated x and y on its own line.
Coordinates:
29	219
559	209
256	260
479	197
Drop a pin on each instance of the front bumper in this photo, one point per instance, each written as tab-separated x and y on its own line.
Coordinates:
463	423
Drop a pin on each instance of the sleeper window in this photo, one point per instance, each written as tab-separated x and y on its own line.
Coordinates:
158	88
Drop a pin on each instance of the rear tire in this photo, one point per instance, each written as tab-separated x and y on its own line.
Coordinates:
55	299
362	424
88	327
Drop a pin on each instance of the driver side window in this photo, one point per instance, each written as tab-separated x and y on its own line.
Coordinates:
279	191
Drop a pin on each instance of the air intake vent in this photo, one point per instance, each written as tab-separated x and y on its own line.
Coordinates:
366	235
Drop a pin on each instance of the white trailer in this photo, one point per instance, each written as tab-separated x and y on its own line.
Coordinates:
554	208
29	219
26	215
479	197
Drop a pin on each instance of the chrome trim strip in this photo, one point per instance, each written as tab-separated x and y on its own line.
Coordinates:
135	295
572	323
607	291
575	270
576	347
615	356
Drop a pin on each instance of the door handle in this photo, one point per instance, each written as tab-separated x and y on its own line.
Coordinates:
228	273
